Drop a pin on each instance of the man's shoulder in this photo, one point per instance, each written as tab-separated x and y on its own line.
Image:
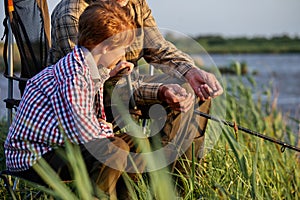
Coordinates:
70	7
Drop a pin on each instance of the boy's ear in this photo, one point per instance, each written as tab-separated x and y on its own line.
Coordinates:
104	51
101	49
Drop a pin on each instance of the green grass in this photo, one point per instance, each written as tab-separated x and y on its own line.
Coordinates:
238	166
3	132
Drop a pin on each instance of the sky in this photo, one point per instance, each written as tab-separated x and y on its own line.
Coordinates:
228	18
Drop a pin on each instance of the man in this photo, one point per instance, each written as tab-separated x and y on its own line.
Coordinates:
176	93
63	103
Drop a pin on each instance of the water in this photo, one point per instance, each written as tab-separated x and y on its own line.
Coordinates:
283	70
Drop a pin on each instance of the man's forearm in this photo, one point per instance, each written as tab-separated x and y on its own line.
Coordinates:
147	92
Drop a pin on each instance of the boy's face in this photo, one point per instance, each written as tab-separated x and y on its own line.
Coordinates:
112	57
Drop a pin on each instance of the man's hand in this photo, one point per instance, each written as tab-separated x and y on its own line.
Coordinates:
124	66
205	84
176	97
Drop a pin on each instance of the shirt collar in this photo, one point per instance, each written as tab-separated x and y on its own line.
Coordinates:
91	64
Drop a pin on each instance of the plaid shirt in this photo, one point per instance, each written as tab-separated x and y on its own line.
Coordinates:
59	103
149	44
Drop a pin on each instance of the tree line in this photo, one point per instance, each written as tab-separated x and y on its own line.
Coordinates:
219	44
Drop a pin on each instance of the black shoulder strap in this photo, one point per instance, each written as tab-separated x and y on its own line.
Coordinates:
32	37
5	37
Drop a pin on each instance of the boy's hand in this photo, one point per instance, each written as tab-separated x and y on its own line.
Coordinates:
124	66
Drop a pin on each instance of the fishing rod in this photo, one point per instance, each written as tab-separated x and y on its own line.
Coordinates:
236	127
246	130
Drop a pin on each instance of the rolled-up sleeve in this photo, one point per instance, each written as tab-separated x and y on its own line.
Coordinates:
159	52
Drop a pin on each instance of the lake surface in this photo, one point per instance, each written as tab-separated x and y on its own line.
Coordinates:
283	70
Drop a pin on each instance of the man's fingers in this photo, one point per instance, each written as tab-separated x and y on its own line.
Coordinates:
183	104
219	90
214	85
204	92
188	103
215	92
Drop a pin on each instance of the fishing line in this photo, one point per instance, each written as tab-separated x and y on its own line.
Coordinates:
284	145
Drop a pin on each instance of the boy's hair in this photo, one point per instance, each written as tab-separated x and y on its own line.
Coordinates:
105	22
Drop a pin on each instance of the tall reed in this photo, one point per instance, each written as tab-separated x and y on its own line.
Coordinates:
235	165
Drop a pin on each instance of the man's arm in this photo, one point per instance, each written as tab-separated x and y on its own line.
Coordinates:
160	52
169	59
151	45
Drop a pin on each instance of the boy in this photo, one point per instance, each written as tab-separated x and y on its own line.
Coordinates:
65	102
